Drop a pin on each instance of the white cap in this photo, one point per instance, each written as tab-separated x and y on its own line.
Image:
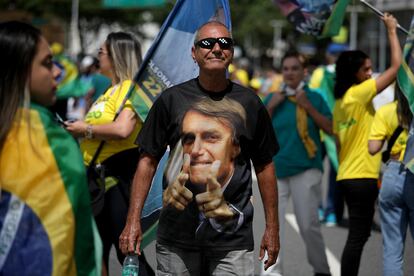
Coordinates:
86	62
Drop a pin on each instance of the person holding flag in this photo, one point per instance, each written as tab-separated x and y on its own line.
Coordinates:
112	119
193	237
46	223
353	115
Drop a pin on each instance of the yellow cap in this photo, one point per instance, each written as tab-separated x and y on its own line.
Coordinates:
255	83
231	68
56	48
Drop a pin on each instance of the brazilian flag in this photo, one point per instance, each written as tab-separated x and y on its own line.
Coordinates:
46	223
405	78
71	83
405	74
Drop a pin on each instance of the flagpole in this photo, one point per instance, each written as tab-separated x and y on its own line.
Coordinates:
380	13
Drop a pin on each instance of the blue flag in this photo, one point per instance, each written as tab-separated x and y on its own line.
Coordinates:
168	62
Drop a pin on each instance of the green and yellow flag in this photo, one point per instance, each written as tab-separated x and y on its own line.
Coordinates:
46	223
71	84
405	78
405	74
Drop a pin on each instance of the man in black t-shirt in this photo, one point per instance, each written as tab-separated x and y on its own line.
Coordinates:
197	237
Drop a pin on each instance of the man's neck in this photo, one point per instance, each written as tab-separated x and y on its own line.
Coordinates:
213	82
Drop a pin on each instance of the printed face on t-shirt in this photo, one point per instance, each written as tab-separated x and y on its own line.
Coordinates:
207	139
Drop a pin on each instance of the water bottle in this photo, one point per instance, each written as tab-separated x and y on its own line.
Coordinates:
131	265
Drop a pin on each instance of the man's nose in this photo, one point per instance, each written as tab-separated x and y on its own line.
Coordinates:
197	146
216	47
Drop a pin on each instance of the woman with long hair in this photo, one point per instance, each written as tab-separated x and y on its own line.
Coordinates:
391	123
353	114
46	223
120	58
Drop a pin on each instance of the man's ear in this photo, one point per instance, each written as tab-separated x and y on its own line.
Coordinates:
193	53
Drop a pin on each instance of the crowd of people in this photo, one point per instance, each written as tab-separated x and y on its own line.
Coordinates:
222	127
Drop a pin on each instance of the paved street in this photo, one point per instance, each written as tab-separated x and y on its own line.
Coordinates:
295	261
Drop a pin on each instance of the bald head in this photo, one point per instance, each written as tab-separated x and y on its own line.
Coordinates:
210	24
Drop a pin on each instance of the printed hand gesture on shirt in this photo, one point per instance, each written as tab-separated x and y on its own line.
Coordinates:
212	202
177	194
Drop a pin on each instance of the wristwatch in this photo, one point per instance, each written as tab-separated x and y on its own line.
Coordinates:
89	132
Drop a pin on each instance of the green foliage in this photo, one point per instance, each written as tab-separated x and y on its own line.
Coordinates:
252	19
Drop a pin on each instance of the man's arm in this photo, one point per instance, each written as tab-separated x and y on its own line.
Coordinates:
130	239
266	179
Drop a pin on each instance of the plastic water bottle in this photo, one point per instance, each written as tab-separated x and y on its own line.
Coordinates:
130	266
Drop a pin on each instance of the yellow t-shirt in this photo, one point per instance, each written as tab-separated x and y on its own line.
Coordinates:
103	112
316	78
384	124
353	115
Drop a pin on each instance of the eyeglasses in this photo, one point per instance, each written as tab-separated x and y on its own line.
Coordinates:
225	43
101	52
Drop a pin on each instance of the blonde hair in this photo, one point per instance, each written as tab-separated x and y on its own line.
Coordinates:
125	53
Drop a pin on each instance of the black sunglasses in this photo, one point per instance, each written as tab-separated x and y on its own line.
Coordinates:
225	43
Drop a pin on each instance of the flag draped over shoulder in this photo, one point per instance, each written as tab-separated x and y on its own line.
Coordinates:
167	63
405	78
46	223
322	18
323	81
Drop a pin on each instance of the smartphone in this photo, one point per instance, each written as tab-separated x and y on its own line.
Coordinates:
60	120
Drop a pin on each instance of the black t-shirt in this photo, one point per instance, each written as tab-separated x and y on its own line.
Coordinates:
188	228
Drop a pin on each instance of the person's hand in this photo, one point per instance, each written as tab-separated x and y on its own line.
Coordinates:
302	100
277	98
131	237
390	21
270	244
212	202
177	194
76	128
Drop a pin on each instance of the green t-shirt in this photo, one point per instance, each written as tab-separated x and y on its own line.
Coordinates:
292	157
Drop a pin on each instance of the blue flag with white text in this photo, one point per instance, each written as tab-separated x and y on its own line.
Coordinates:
168	62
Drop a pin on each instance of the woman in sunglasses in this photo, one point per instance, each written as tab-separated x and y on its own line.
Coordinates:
120	58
